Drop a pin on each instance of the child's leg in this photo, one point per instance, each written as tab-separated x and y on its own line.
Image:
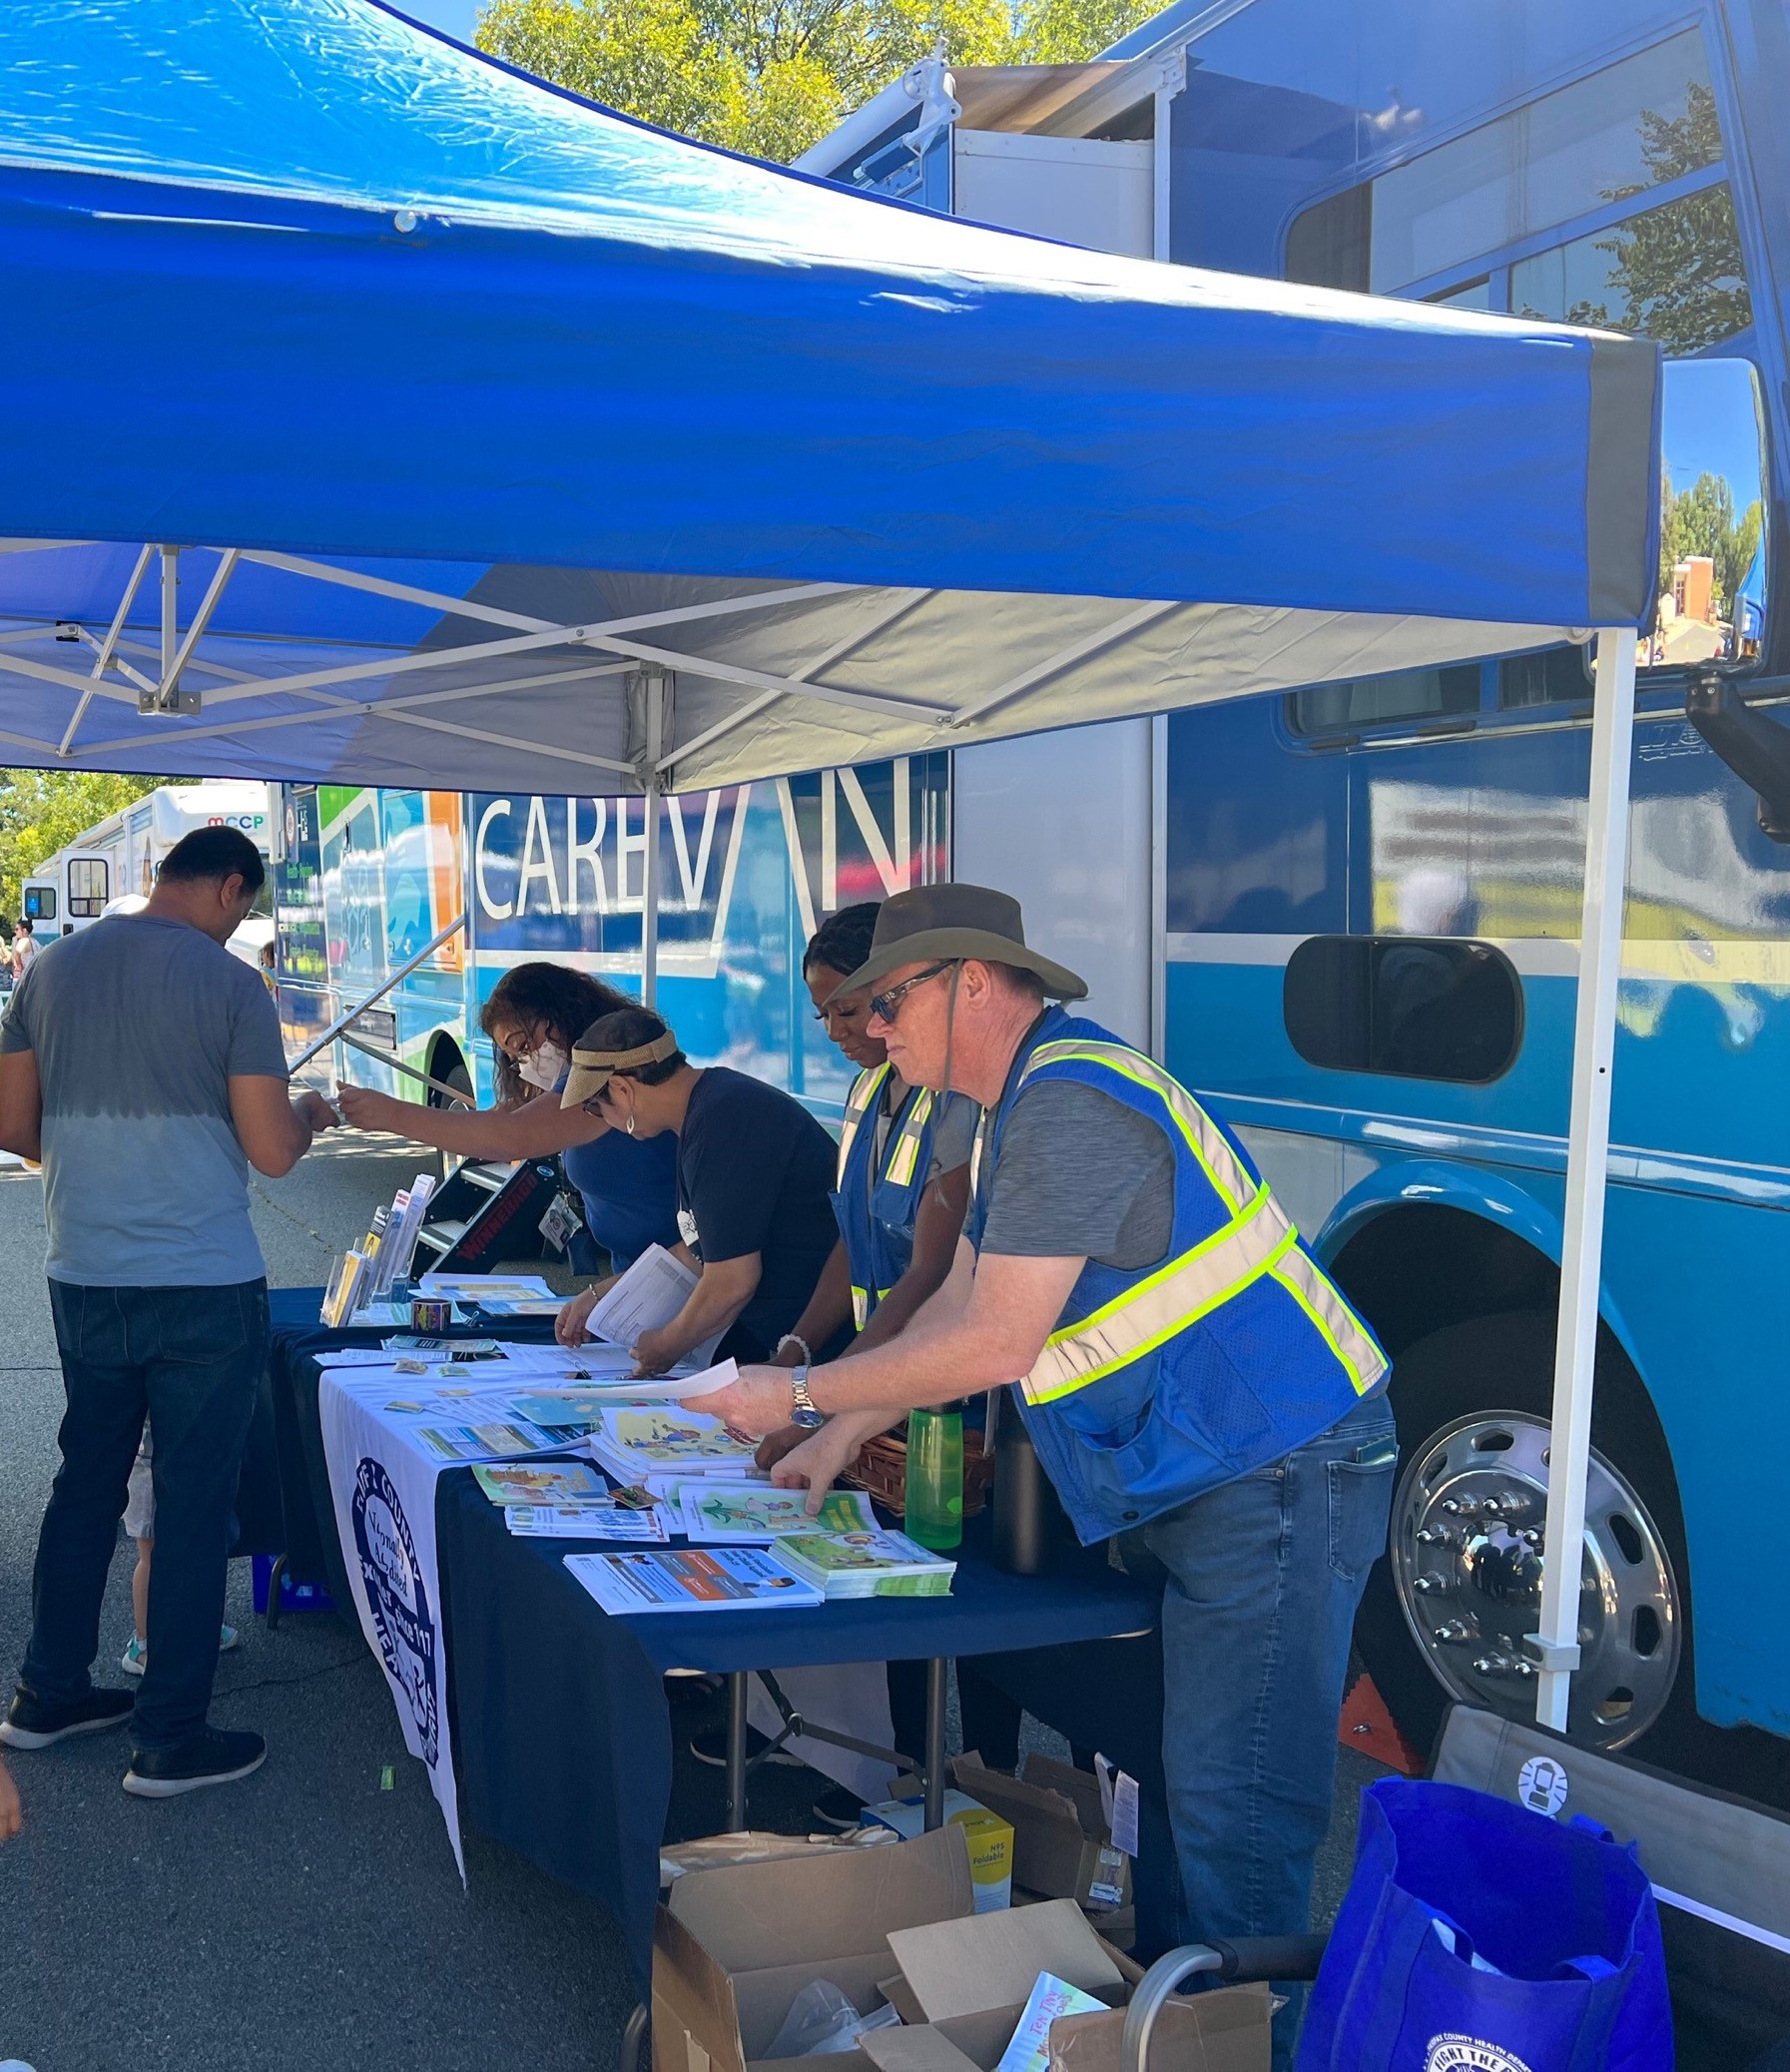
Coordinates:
139	1587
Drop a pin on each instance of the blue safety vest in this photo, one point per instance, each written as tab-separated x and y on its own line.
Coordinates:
1160	1384
876	1210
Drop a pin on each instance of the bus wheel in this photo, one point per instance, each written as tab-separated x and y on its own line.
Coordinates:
450	1067
1444	1615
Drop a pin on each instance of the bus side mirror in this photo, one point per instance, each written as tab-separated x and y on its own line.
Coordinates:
1713	547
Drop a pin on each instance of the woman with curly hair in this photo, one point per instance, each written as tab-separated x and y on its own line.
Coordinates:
535	1013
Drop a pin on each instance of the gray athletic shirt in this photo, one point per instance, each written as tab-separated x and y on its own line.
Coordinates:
137	1025
1080	1175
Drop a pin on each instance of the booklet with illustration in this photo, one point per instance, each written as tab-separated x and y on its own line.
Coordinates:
872	1563
696	1578
493	1442
1050	1999
649	1439
539	1482
718	1512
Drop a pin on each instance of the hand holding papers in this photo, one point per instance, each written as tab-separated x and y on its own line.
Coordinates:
646	1298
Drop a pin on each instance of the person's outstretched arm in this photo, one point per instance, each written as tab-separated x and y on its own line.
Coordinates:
275	1126
536	1129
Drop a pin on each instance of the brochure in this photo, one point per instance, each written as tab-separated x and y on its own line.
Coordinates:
644	1439
721	1513
495	1295
1052	1997
873	1562
539	1482
584	1404
649	1295
598	1521
493	1442
697	1579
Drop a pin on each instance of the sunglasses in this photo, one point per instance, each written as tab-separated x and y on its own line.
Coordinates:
886	1006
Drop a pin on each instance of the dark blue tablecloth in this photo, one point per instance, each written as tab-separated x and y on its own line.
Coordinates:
561	1727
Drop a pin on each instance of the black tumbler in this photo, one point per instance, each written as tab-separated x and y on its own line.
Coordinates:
1026	1512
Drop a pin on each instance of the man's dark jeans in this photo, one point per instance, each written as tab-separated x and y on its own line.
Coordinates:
192	1359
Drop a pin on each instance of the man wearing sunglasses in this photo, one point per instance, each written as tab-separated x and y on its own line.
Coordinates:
1193	1382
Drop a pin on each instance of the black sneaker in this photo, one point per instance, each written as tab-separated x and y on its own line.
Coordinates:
212	1756
711	1747
838	1809
33	1723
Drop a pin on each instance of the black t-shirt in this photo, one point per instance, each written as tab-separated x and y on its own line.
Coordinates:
755	1174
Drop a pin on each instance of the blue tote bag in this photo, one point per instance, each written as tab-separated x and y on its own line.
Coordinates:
1477	1936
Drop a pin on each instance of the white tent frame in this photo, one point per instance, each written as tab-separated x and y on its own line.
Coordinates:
616	651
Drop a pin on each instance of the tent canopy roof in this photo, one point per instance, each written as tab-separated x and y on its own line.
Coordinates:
490	396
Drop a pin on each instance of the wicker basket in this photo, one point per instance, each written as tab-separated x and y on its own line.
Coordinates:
881	1469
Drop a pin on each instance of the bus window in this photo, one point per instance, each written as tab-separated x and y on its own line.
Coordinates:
87	881
1635	125
1549	676
1673	273
40	903
1377	701
1418	1006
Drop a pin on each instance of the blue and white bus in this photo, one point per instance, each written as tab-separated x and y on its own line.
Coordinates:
1366	895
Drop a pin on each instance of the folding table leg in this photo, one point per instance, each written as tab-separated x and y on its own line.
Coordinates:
936	1743
276	1578
736	1750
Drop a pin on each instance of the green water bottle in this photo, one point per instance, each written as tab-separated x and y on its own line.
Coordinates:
935	1478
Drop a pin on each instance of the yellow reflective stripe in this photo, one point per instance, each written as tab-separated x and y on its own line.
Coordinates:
1336	1322
906	1154
1165	1305
1203	1139
857	1104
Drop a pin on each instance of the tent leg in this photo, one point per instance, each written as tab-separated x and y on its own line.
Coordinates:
1587	1160
655	781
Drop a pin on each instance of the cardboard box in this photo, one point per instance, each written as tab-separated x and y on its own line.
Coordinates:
963	1986
1061	1844
989	1836
732	1946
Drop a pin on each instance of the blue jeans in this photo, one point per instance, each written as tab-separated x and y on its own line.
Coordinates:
1263	1579
191	1360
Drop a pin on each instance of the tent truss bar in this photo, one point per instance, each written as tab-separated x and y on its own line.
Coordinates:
1132	621
1556	1646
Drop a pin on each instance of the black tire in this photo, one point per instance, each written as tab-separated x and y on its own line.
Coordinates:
450	1068
1506	1363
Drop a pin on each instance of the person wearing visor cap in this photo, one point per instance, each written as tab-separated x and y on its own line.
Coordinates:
754	1182
1193	1382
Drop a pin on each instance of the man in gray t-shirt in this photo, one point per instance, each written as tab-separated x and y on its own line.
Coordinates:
143	1065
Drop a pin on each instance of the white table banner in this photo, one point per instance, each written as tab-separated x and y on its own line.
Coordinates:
384	1488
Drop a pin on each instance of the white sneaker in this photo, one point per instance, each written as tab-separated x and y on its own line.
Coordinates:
134	1659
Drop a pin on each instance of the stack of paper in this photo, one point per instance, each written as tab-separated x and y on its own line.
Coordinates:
697	1579
642	1439
870	1563
509	1294
718	1512
603	1520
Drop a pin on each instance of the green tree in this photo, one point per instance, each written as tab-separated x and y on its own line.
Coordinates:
772	77
1675	273
42	811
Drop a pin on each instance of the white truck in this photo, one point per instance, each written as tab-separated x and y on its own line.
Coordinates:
115	862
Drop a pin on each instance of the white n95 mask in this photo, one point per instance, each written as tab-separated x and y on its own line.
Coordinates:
545	1066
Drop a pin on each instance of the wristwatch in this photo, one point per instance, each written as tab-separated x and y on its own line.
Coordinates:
804	1414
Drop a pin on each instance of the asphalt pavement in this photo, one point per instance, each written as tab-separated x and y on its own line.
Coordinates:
312	1916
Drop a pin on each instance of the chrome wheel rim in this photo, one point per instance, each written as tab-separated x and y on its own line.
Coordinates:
1469	1549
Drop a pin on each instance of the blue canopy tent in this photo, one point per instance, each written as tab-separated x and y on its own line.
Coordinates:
377	415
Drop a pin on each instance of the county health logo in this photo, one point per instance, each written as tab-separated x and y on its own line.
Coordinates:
396	1598
1468	2054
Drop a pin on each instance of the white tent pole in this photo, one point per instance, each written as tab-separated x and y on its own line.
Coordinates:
655	784
1587	1159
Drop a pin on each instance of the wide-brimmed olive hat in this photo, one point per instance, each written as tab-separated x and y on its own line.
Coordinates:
934	921
593	1070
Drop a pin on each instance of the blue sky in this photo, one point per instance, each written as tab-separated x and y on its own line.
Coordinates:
455	16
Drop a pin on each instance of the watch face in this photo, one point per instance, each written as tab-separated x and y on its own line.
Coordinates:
808	1420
